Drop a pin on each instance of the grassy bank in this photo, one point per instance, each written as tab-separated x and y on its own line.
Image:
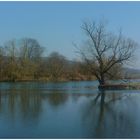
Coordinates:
130	86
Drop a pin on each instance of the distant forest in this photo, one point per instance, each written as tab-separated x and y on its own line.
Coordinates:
23	60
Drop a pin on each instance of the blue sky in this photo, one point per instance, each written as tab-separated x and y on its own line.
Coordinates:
57	24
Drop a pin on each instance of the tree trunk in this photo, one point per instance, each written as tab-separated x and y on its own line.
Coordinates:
101	81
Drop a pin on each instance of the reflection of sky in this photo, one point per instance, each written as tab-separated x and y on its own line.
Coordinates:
38	114
57	24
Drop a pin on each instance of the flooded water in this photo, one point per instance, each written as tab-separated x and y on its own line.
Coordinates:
67	110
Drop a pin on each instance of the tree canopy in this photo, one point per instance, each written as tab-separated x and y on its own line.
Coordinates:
105	51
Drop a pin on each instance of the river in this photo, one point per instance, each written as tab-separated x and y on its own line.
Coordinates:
67	110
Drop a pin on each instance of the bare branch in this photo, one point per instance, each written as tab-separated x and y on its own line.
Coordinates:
104	50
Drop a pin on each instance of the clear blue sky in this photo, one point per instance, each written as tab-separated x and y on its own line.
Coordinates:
57	24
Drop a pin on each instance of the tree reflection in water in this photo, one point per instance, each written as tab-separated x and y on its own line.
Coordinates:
57	98
0	101
26	103
88	115
56	94
108	116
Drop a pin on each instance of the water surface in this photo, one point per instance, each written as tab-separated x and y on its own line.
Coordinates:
67	110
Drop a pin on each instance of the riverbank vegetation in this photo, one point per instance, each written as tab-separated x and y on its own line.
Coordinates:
102	58
23	60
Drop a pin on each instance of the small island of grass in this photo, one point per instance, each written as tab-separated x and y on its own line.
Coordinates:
130	86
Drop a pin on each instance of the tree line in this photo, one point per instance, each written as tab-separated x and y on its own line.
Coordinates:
102	58
23	60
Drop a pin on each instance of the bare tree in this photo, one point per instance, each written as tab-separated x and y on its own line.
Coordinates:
31	49
30	57
103	51
12	68
11	50
56	65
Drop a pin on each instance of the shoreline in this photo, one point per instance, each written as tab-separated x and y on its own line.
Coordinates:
115	86
129	86
10	81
